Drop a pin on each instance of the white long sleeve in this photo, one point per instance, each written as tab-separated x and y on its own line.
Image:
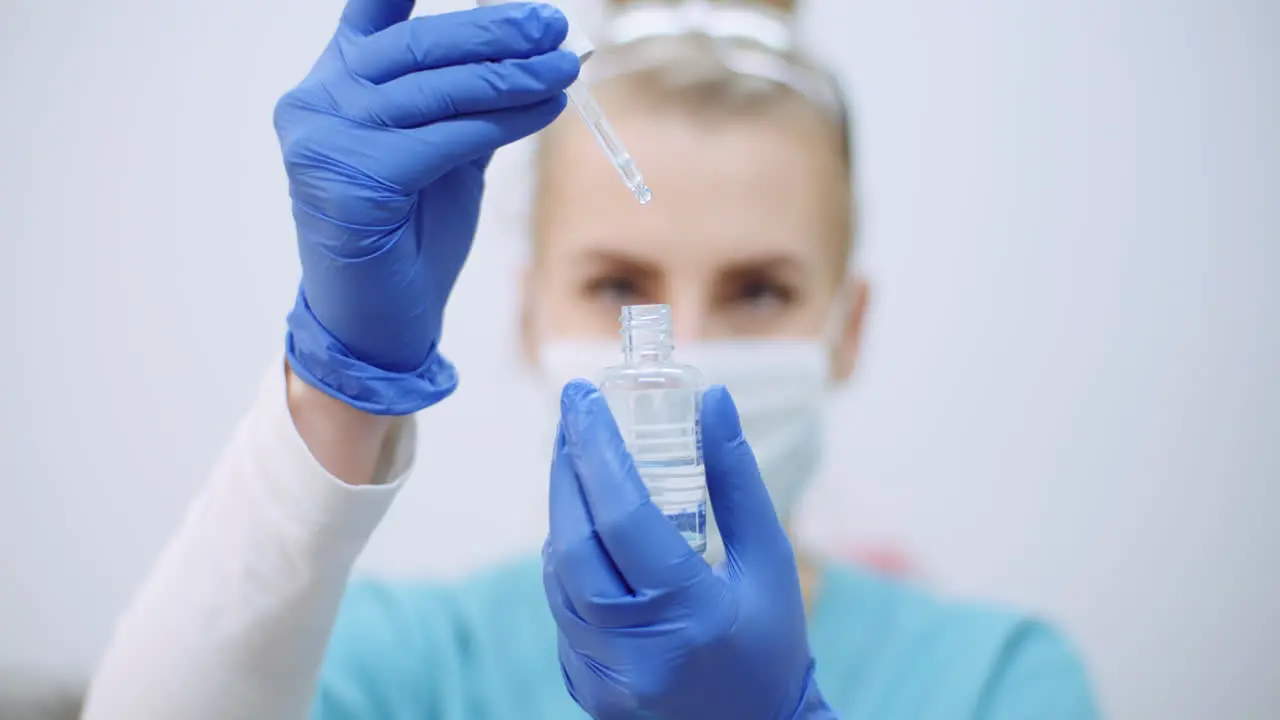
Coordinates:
234	619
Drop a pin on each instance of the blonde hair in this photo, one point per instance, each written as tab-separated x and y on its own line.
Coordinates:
705	72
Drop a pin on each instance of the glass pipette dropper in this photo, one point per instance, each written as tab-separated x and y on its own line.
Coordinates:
577	42
609	142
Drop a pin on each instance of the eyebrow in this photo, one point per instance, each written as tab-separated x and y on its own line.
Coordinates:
776	261
741	266
618	257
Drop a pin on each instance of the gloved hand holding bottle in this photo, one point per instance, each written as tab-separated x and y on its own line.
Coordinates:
386	143
647	628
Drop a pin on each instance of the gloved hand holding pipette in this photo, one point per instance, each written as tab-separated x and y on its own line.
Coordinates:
647	628
386	143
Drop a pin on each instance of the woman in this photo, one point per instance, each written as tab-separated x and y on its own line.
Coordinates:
386	143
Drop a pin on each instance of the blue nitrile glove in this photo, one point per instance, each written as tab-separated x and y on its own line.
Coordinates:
386	144
647	628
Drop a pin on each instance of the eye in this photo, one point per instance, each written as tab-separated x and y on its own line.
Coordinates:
764	293
614	289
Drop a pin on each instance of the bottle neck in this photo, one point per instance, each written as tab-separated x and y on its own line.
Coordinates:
635	356
646	344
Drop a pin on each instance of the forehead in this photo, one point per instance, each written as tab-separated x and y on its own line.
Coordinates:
724	188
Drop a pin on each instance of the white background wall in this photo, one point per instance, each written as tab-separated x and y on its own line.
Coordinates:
1070	401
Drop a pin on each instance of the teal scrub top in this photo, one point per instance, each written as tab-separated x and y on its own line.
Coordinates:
485	649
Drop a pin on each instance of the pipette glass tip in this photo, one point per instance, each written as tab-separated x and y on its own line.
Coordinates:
613	148
643	194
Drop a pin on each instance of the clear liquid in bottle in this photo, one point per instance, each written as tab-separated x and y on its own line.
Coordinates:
657	404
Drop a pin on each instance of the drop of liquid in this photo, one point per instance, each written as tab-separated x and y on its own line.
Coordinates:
643	194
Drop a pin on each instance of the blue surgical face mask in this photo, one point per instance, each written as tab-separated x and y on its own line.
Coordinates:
779	386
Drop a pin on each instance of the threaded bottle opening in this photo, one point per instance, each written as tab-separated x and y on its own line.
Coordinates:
646	329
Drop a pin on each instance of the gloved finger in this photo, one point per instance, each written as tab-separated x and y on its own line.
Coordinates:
568	659
584	568
589	584
483	34
567	618
581	639
449	143
584	581
744	513
422	98
645	546
365	17
595	685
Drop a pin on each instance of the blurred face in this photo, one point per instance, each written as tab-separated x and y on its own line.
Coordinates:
745	236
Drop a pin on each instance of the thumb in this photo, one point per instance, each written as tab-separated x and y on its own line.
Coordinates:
743	510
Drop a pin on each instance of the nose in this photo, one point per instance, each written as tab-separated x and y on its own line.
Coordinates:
688	319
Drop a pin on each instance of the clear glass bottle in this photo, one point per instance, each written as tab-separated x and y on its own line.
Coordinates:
657	404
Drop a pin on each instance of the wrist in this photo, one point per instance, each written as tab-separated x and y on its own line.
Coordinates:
346	441
323	361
